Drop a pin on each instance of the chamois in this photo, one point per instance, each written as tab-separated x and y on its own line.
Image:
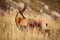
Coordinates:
33	24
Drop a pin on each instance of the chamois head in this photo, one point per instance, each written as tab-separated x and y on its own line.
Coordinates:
23	7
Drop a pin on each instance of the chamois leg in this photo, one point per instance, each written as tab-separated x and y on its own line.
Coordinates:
48	32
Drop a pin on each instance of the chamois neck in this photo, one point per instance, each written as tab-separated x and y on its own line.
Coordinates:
21	13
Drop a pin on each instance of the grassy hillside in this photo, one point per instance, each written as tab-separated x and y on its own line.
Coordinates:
35	9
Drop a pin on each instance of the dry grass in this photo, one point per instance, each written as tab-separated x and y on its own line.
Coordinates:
9	30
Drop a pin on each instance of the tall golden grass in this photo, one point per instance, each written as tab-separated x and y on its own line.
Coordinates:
9	30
